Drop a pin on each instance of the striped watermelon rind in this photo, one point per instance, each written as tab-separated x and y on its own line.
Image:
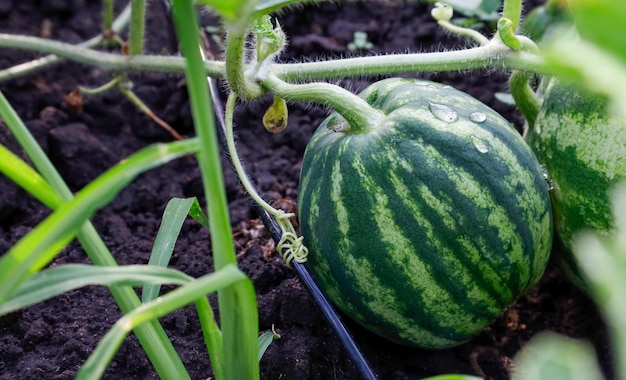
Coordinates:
427	227
583	147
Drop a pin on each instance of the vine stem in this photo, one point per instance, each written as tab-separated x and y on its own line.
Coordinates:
358	113
137	26
235	67
525	98
106	61
493	55
467	32
290	246
512	9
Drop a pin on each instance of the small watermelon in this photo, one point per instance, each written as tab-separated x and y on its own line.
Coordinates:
428	226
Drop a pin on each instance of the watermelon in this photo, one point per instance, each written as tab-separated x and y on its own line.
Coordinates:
583	148
428	226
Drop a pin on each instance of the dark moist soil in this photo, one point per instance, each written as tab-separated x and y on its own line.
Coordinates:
52	339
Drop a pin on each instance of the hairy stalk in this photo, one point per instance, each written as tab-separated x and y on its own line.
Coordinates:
512	9
466	32
235	67
106	61
290	246
100	89
494	55
107	17
137	27
525	98
360	116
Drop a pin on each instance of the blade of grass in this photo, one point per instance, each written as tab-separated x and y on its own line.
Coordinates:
237	303
52	282
24	176
173	217
39	246
151	336
174	300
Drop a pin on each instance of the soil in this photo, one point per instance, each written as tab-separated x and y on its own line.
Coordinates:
51	340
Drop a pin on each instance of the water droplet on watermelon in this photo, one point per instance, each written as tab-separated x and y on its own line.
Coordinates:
478	117
442	112
546	177
480	145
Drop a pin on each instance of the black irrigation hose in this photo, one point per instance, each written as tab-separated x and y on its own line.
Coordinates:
329	311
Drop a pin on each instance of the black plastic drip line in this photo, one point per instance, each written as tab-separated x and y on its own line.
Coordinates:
346	339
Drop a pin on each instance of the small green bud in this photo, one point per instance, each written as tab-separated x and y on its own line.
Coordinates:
442	12
360	42
270	39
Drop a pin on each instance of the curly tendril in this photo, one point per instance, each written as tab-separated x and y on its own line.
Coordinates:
290	246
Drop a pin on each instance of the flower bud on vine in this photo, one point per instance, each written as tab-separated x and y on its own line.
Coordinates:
442	12
270	39
276	116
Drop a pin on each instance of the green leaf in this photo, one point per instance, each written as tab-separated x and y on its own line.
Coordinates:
197	214
549	356
27	178
174	216
52	282
236	13
602	22
265	340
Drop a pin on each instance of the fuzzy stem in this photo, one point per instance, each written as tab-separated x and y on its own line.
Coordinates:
106	61
235	67
494	55
525	98
137	26
107	17
100	89
466	32
512	9
360	116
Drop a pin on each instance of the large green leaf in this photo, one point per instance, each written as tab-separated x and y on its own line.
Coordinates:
550	356
602	22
